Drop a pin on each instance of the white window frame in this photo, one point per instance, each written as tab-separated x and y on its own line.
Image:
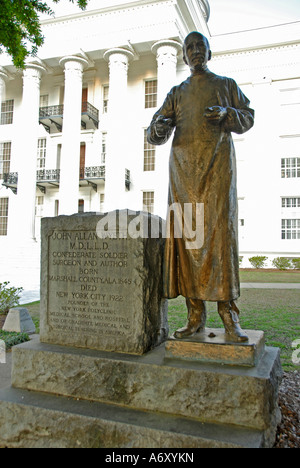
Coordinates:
148	201
7	112
39	206
105	99
41	153
290	229
149	155
5	157
150	94
44	100
4	207
290	168
103	147
290	202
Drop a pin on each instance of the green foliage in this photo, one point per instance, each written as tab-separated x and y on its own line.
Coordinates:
13	338
296	263
9	297
20	30
258	261
282	263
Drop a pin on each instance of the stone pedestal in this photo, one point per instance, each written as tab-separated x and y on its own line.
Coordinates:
88	384
19	320
70	397
103	292
212	345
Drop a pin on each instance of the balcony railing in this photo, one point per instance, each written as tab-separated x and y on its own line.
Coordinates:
127	178
10	181
48	175
91	112
94	172
11	178
53	116
51	111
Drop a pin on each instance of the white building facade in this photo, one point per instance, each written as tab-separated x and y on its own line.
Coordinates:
72	132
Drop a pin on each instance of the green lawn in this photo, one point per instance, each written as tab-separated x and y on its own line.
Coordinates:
13	338
267	276
276	312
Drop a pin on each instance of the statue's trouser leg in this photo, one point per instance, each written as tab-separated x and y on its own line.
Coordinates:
196	318
229	314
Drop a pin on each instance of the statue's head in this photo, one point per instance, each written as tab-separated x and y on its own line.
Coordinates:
196	51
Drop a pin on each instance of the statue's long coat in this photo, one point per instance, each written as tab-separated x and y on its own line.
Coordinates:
203	170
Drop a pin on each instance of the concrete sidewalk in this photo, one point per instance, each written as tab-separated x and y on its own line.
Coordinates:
5	371
270	285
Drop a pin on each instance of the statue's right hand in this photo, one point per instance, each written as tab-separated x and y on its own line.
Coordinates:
162	125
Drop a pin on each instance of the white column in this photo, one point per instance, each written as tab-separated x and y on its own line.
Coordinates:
28	149
70	152
118	134
166	55
3	78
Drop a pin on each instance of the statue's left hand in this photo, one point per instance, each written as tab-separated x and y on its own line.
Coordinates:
215	114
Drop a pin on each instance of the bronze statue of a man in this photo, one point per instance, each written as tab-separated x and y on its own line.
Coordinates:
204	110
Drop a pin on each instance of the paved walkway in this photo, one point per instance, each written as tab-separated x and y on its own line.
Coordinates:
5	371
270	285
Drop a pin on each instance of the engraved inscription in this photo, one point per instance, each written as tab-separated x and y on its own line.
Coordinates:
83	273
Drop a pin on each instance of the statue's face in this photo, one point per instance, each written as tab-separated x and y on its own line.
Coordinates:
196	52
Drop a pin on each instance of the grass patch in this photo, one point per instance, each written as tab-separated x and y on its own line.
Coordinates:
12	338
267	276
276	312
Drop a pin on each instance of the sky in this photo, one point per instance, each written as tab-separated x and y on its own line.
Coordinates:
226	16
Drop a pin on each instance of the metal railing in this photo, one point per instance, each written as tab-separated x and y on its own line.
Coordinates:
93	172
48	175
11	178
127	178
90	110
58	110
51	111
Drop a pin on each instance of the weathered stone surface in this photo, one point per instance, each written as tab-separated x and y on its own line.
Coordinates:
103	293
212	345
101	375
19	320
210	393
35	420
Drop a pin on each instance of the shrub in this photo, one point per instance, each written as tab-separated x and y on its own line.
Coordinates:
296	263
9	297
258	261
13	338
282	263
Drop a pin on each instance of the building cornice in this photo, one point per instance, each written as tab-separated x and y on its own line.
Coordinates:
256	50
104	11
263	64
